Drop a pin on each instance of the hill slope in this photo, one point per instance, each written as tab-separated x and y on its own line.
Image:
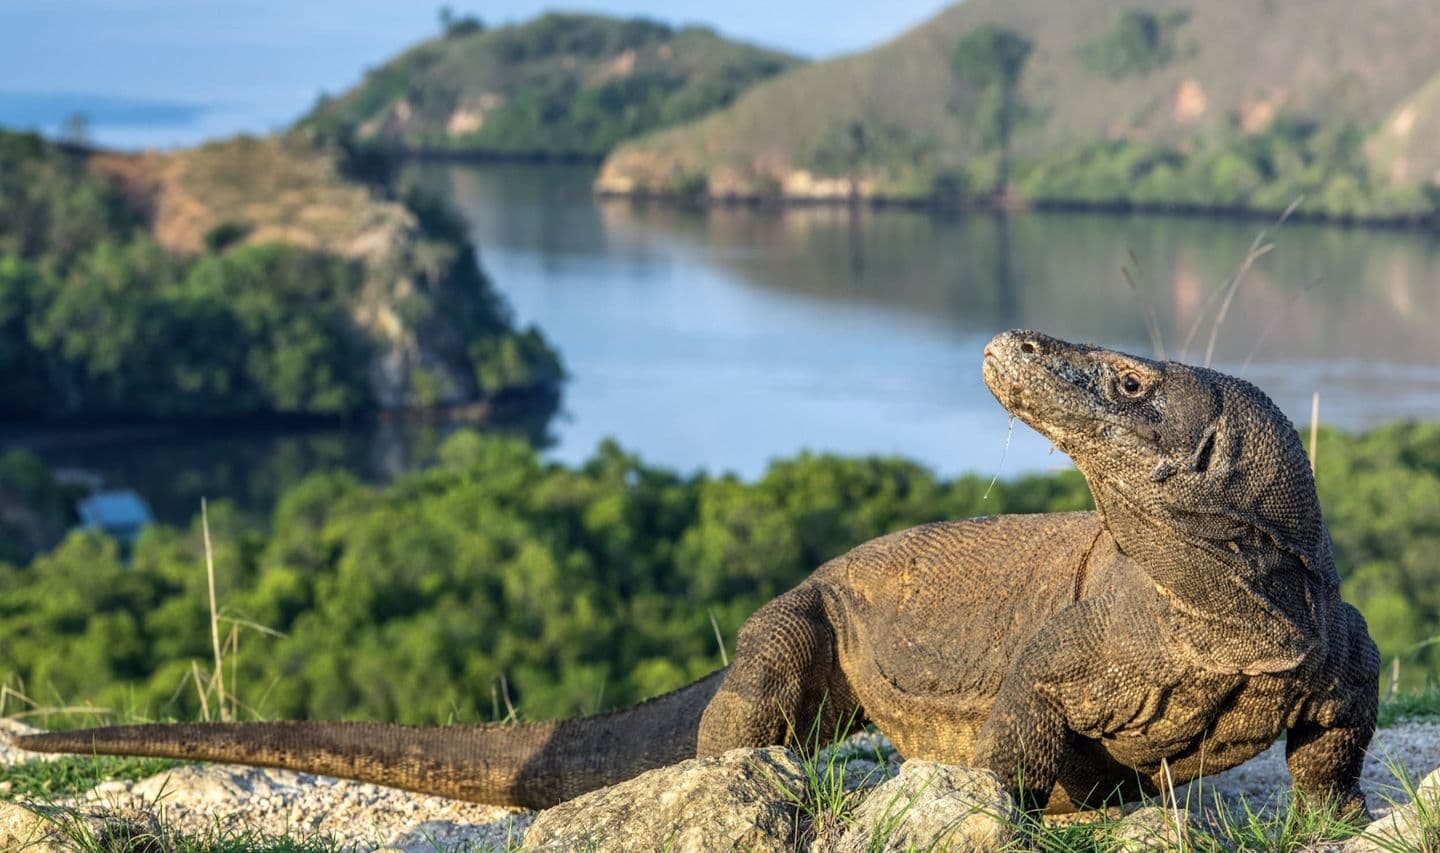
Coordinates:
244	277
1168	89
561	85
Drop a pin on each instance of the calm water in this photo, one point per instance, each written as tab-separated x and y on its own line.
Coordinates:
720	339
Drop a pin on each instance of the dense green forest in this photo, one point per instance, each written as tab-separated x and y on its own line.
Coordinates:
559	85
97	319
582	588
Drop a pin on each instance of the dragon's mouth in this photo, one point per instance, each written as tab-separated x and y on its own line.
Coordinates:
1017	369
1006	377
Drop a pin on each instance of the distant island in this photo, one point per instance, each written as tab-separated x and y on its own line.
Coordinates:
249	277
1226	106
562	86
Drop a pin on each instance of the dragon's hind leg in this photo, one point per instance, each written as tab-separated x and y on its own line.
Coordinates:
785	686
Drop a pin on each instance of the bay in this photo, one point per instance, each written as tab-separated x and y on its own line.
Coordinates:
717	339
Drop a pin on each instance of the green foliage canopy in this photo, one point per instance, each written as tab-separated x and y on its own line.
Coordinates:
1137	43
96	319
990	56
991	59
564	85
130	330
1228	171
584	587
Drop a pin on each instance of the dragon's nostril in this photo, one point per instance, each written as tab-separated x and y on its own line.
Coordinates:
1028	347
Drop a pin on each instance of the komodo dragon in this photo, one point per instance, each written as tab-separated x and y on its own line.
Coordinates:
1188	622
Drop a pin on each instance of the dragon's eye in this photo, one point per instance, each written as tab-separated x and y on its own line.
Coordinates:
1130	384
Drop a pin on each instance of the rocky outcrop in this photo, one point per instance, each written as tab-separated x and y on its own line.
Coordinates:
435	328
933	806
742	800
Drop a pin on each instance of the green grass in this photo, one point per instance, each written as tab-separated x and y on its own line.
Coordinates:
77	833
74	774
1218	828
825	808
1422	704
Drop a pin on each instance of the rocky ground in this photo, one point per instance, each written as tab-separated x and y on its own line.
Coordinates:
703	804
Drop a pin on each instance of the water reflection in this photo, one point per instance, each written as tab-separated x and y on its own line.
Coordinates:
1323	292
795	317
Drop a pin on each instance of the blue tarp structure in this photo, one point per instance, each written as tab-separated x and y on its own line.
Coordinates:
120	513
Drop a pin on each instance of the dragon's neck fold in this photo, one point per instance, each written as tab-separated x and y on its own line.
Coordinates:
1233	601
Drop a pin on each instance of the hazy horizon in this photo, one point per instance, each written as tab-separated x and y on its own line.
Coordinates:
160	73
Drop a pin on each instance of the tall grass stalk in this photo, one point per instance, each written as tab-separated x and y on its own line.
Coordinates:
217	680
1152	326
1226	294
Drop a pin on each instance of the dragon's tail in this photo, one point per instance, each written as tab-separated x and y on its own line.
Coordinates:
533	765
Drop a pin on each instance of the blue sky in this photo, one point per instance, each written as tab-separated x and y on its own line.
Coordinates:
256	65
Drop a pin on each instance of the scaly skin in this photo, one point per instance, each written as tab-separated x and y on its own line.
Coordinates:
1082	656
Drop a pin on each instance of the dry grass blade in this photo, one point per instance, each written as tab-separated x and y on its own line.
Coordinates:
47	710
1152	325
6	691
1257	251
234	644
1274	320
218	679
1200	316
254	626
1167	793
200	690
719	640
1258	248
511	715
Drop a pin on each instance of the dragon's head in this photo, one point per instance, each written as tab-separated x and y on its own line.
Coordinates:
1165	443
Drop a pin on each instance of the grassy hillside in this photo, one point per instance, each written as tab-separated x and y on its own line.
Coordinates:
1227	104
560	85
251	276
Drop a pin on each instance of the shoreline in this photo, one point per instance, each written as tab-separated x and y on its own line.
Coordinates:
507	407
938	205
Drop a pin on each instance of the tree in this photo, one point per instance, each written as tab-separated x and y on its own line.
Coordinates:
454	26
75	129
991	59
1137	43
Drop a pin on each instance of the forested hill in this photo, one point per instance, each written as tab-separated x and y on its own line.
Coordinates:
244	277
560	85
1224	104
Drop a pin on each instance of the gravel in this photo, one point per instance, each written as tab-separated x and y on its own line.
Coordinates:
1411	745
201	799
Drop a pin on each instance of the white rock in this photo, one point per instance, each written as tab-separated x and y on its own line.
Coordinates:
933	806
741	800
